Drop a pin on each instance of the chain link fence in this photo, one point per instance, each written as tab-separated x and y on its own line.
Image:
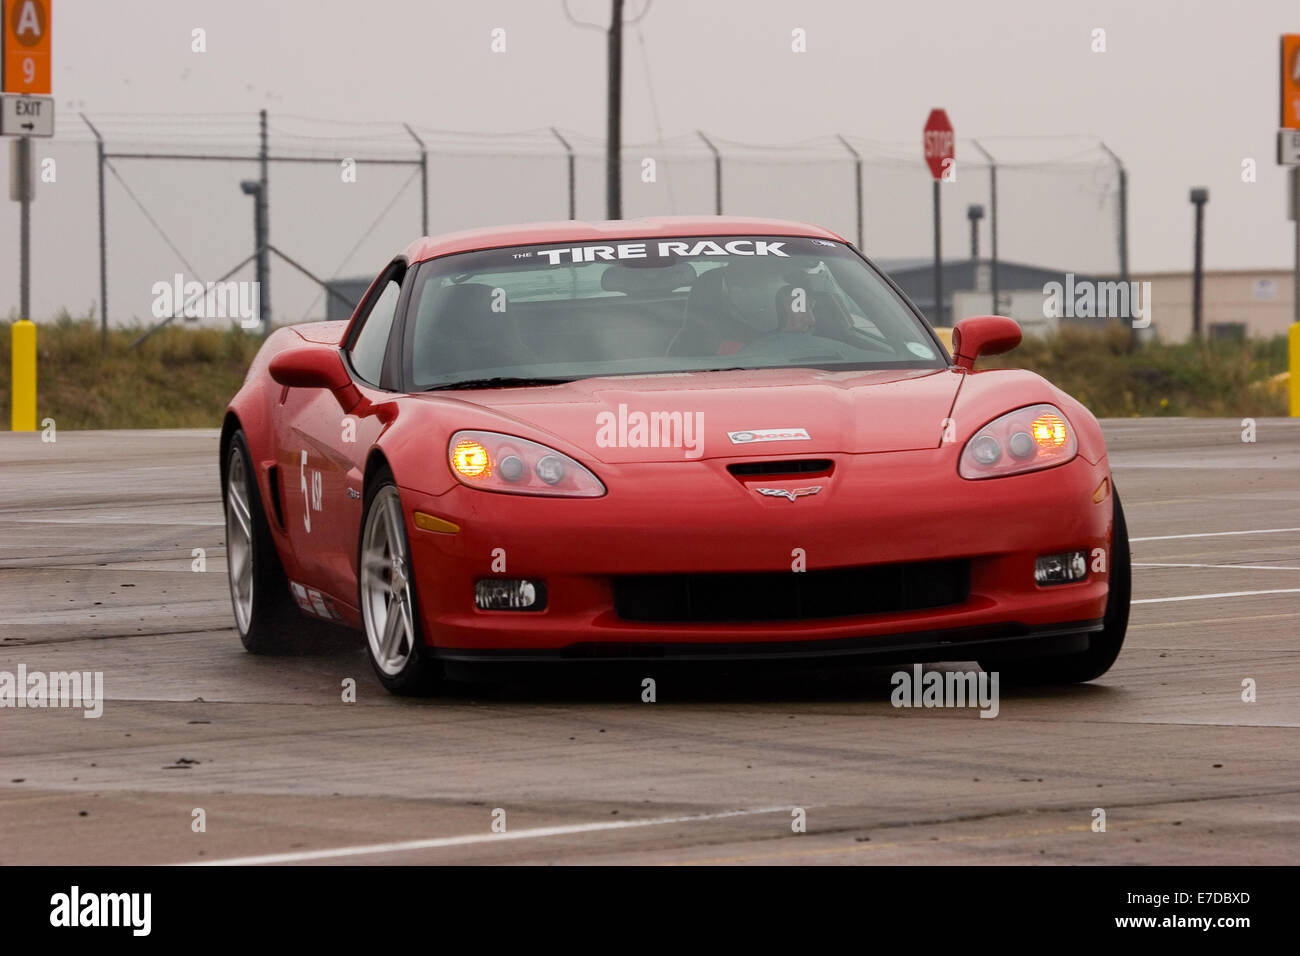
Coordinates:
154	196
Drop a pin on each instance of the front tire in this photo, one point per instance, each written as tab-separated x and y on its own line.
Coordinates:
386	591
1103	646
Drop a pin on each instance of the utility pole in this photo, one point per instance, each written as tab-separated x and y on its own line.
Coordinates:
1199	197
614	129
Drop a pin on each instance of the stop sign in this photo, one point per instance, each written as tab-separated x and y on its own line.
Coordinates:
938	142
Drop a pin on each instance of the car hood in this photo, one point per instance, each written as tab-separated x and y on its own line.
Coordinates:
751	413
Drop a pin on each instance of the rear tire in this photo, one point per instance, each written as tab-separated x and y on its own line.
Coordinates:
386	594
1103	646
266	617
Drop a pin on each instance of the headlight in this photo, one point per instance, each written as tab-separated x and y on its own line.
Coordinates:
1024	440
517	466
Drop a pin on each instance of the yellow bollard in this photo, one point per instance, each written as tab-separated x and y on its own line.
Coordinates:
23	399
1293	339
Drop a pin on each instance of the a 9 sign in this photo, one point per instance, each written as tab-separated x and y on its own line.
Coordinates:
26	46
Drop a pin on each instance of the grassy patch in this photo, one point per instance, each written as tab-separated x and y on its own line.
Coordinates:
179	378
1212	379
183	377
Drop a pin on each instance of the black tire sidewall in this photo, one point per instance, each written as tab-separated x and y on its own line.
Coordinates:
275	616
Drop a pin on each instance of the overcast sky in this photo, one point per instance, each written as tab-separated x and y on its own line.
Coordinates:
1184	92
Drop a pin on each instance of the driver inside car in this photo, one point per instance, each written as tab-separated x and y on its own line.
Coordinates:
761	302
792	306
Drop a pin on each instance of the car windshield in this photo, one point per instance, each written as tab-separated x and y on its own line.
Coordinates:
526	315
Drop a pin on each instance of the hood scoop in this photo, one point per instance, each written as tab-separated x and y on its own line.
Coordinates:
777	469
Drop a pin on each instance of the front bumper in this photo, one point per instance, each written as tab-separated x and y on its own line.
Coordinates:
696	517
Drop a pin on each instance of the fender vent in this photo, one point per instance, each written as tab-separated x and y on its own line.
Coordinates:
273	479
801	466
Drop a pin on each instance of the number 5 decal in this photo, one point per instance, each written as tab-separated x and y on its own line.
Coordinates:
313	499
306	502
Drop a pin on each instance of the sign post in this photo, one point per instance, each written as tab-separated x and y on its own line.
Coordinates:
1288	154
26	110
937	143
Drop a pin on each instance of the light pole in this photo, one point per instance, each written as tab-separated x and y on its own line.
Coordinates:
975	212
614	116
1199	197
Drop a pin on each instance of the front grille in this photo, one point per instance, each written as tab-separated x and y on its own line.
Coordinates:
790	595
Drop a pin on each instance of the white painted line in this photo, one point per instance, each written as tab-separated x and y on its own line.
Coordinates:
1234	567
1214	534
470	839
1225	594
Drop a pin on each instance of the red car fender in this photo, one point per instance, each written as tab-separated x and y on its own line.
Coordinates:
984	396
419	430
252	410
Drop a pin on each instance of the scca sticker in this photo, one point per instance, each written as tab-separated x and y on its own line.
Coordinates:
769	434
637	250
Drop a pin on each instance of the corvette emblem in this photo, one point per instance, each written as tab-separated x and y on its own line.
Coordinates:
769	434
791	494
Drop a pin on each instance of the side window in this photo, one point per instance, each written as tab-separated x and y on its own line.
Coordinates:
372	341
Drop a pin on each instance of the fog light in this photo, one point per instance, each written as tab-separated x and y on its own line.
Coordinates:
498	594
1065	568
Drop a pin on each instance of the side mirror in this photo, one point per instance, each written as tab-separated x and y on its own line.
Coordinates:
983	335
315	366
309	367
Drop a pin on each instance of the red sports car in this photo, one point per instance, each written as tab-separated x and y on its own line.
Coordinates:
703	438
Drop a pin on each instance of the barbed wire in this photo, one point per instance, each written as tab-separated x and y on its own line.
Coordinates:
292	135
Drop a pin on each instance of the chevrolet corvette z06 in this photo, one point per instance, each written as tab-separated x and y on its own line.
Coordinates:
670	439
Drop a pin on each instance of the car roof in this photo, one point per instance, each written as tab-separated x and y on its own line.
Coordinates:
494	237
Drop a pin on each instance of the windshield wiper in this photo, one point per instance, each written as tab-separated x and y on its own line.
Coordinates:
499	381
